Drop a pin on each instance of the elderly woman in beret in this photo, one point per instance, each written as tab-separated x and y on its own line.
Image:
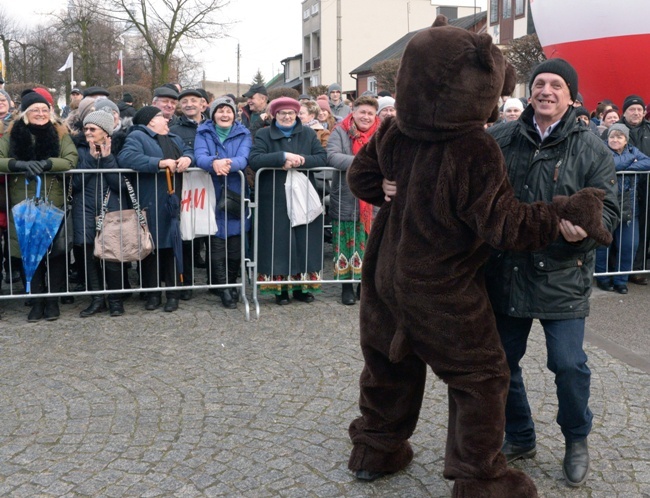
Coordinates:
37	143
150	150
221	147
286	253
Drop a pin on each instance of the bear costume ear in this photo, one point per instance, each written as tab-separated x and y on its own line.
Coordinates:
484	49
440	21
510	81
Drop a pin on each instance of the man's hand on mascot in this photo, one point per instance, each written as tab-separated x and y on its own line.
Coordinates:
584	209
390	189
571	232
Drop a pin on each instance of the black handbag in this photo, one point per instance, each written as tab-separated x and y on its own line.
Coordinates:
230	202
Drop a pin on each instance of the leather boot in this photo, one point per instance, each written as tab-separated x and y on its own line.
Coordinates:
52	309
97	305
219	277
576	463
347	294
233	273
37	312
115	306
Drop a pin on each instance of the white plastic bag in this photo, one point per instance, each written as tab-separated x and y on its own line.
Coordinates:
198	204
303	203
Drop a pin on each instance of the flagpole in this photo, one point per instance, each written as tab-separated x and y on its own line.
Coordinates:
72	73
121	69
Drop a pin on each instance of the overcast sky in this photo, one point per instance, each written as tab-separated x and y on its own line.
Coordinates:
268	31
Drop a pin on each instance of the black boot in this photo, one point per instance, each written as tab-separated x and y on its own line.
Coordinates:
52	309
347	294
233	273
219	277
97	305
115	306
37	312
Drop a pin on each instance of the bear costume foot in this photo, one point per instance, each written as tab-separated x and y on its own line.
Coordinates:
513	484
369	463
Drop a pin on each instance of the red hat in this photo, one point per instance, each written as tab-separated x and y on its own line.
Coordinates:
284	103
324	104
45	94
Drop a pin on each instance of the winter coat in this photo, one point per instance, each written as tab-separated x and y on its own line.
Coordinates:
249	118
89	189
304	242
142	153
237	147
340	110
630	159
639	135
555	282
343	205
56	146
126	110
186	129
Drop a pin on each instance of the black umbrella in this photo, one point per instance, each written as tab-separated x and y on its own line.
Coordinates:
173	207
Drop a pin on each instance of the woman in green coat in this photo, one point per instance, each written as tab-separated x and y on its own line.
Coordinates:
35	144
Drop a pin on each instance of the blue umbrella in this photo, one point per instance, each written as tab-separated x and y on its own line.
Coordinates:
37	221
173	207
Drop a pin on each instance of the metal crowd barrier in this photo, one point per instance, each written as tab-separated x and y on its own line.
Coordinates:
75	259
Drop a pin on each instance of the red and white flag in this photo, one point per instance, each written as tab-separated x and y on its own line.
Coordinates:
120	67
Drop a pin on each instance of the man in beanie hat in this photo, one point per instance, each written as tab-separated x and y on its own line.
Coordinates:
337	106
542	285
386	107
126	106
634	118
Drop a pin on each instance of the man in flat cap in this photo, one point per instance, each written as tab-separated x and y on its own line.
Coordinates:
165	99
258	98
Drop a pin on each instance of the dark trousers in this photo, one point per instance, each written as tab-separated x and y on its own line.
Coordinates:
49	276
159	266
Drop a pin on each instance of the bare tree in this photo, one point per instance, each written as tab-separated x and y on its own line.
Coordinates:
386	74
8	31
524	54
164	24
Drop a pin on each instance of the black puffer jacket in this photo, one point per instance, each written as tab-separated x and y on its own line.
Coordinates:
554	283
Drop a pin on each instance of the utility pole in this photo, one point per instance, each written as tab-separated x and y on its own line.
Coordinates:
339	72
238	57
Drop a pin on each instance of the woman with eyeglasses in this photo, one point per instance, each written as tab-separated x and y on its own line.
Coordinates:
286	253
37	143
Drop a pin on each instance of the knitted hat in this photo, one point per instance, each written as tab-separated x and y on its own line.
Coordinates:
105	104
45	94
620	127
384	102
582	111
333	87
384	93
560	67
128	98
324	105
145	115
510	103
102	119
632	100
580	98
221	101
283	103
30	99
165	92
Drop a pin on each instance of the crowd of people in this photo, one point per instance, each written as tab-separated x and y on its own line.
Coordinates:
185	128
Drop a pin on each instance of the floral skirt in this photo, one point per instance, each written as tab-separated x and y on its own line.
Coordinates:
306	282
349	244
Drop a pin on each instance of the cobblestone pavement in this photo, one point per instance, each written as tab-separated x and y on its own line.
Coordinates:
201	403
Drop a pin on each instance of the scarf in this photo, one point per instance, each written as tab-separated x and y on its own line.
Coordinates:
222	133
169	148
358	139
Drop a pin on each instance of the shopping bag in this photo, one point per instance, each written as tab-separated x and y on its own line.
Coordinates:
198	204
303	203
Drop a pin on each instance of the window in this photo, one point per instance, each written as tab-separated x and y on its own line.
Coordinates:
520	8
372	84
305	15
314	9
507	9
494	11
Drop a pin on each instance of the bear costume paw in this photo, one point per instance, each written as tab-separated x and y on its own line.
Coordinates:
513	484
366	458
585	209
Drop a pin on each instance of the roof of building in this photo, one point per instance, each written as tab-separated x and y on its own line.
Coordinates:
396	50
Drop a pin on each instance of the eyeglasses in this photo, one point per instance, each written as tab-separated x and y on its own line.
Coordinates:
91	129
287	114
38	111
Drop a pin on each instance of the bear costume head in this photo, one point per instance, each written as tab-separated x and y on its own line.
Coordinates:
459	77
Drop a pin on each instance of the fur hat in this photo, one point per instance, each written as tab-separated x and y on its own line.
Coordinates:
632	100
221	101
31	98
102	119
510	103
620	127
284	103
145	115
384	102
105	104
463	75
560	67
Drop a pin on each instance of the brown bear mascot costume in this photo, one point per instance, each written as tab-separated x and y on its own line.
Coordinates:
424	300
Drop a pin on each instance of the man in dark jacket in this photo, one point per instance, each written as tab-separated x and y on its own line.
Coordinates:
633	118
258	98
126	106
191	101
548	153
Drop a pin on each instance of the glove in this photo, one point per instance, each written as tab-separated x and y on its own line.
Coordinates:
45	164
585	209
29	168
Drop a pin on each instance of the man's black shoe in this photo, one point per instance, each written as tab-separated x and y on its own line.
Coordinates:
514	452
576	463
